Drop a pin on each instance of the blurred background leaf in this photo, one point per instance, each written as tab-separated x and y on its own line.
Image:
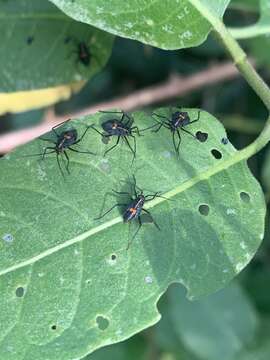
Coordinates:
46	43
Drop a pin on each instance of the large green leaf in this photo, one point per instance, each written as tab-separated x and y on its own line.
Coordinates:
38	44
166	24
260	349
82	288
222	323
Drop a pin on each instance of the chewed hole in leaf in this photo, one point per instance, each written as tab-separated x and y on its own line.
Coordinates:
53	327
201	136
204	209
19	291
113	257
8	238
224	141
217	154
102	323
29	40
244	197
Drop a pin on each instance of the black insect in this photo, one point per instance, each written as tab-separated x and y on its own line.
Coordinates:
82	51
178	121
64	141
134	208
84	54
121	128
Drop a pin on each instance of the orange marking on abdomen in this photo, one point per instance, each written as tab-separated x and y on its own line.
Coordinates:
133	211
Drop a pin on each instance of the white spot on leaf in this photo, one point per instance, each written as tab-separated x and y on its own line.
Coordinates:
148	279
231	211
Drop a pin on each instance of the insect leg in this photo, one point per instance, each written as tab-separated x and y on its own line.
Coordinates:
161	116
45	151
152	197
179	137
117	142
67	165
148	212
188	132
100	133
136	232
176	148
56	126
59	165
198	118
132	150
100	217
88	127
49	140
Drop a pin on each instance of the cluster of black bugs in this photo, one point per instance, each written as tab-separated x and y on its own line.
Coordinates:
121	128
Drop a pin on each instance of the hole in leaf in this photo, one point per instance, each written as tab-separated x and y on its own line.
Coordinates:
113	257
19	291
204	209
53	327
244	196
201	136
217	154
29	40
102	322
8	238
224	141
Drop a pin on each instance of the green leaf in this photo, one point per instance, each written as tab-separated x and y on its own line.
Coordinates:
247	5
45	41
165	24
82	288
266	171
222	323
261	27
260	349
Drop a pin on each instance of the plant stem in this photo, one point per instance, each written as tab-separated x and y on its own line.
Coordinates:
245	68
242	63
249	31
252	77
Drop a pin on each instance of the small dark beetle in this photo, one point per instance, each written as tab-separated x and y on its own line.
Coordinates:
133	209
121	129
64	141
178	121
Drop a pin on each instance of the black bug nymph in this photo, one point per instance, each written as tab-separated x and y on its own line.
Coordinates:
179	120
84	54
81	50
121	128
134	208
65	140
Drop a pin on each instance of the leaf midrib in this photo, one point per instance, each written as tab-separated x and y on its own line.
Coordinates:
220	166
